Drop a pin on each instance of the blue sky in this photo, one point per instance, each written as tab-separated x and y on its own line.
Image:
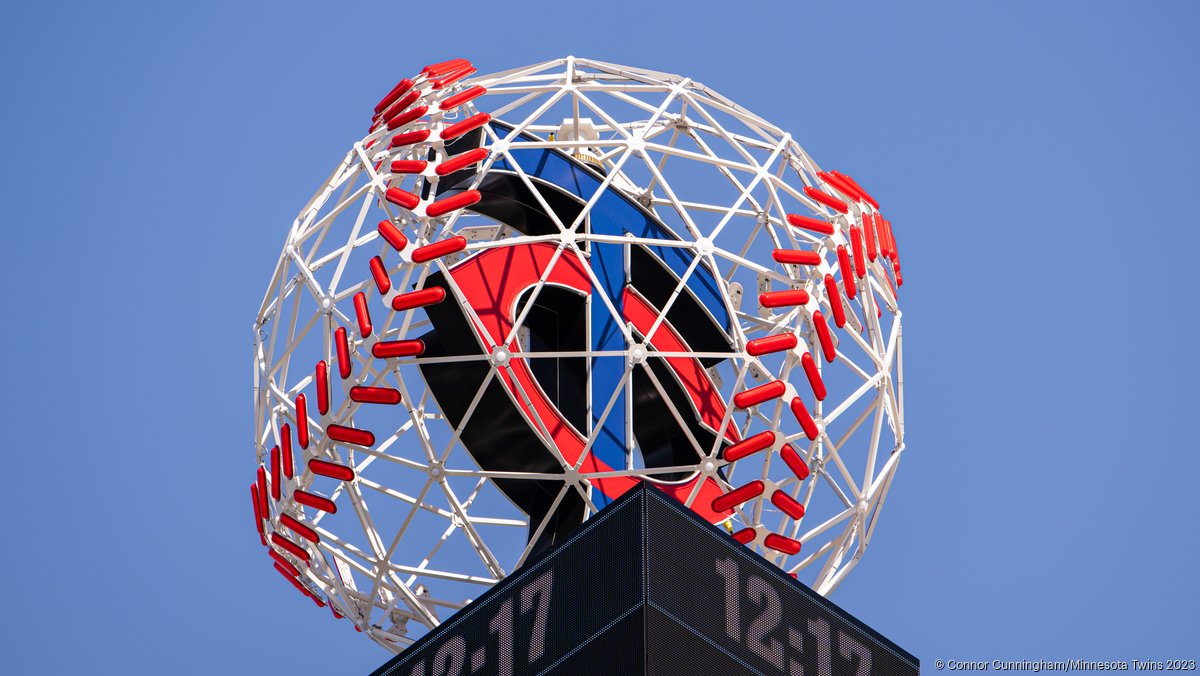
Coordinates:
1038	160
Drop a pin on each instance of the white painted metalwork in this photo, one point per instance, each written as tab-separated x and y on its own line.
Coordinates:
421	529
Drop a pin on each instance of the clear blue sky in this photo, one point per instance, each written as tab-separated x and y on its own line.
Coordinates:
1039	160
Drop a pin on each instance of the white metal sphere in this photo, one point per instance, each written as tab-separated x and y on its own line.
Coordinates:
471	262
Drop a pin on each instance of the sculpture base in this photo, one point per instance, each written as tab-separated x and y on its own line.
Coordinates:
647	587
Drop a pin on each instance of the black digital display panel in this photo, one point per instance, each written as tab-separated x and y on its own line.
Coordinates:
646	587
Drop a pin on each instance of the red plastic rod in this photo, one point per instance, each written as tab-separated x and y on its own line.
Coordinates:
386	349
462	97
281	562
291	547
835	301
329	469
461	161
443	67
826	199
438	249
315	501
299	528
350	435
343	352
285	442
823	335
886	242
808	223
856	243
474	122
379	272
750	446
842	183
406	117
444	206
844	267
443	82
783	298
448	66
374	395
419	298
288	576
399	90
814	376
302	420
787	504
881	226
362	313
869	231
400	106
805	419
402	198
276	474
782	543
794	462
258	519
839	185
835	183
409	166
392	235
757	395
450	79
858	187
899	277
737	496
322	387
262	492
745	535
775	343
408	138
795	257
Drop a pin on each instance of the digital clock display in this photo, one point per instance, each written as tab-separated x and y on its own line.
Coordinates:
646	587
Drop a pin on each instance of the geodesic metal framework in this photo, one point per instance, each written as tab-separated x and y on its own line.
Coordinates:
524	292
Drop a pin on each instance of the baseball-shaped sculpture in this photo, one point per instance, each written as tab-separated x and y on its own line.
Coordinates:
521	294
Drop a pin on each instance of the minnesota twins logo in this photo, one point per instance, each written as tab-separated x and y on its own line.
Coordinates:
605	297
